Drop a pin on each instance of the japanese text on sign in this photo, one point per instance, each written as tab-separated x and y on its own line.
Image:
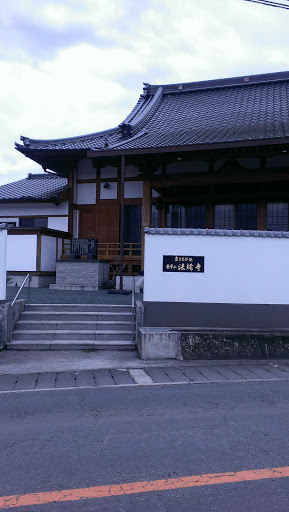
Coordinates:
83	246
183	263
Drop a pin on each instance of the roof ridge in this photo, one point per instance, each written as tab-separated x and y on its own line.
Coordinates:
128	127
219	82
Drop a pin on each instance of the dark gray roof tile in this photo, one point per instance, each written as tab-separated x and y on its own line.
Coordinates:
216	232
34	187
217	111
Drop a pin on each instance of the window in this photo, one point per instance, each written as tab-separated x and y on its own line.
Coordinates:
239	216
33	222
224	216
181	216
246	216
132	223
277	216
155	217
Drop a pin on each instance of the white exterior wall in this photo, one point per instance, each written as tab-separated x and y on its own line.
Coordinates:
108	172
21	252
32	209
238	269
133	189
86	193
108	193
48	253
59	223
3	263
85	169
9	219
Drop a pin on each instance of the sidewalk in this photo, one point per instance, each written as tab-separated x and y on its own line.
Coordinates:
39	370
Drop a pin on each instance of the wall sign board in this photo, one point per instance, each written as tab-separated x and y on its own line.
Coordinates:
83	247
183	263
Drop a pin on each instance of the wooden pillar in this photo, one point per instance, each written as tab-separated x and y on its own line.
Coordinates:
121	222
71	200
146	210
210	216
261	222
163	216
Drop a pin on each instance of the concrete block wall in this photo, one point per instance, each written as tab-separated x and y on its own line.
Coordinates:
9	315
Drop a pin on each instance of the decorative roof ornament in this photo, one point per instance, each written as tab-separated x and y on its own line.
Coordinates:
125	129
145	89
105	142
25	140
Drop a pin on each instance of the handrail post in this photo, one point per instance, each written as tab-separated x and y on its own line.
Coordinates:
133	310
29	281
27	277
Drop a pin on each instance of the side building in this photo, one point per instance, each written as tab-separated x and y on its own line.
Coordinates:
36	212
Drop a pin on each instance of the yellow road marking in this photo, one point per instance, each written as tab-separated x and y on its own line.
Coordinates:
105	491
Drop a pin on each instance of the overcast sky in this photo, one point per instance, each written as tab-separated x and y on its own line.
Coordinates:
71	67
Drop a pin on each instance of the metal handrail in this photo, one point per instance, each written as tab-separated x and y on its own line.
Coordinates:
28	300
133	310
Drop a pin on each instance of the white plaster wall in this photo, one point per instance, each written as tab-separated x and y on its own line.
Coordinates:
85	170
245	270
108	193
60	223
131	171
86	193
108	172
133	189
48	253
3	263
36	209
9	219
21	252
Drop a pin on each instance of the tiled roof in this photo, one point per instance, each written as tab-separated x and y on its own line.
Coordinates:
34	187
217	232
211	112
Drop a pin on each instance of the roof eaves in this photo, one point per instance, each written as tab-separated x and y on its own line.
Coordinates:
189	147
27	142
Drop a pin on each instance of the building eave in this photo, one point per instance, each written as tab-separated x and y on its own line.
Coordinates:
188	148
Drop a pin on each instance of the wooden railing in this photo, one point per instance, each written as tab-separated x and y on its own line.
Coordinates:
111	251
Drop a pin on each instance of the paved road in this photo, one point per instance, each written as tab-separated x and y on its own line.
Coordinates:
76	440
145	376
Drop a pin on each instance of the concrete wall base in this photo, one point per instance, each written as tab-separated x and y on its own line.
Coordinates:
129	282
86	274
8	318
165	343
38	280
158	344
234	345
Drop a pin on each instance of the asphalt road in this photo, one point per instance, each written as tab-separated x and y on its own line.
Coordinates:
83	438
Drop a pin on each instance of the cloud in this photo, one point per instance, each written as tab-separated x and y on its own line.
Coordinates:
77	66
37	29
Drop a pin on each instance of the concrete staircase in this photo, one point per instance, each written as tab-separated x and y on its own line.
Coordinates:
73	326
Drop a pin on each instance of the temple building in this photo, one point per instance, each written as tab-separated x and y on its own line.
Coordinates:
210	154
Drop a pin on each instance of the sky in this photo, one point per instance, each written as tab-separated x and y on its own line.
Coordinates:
73	67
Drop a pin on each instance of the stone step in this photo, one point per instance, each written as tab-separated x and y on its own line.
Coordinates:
62	316
48	325
115	308
88	335
71	345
